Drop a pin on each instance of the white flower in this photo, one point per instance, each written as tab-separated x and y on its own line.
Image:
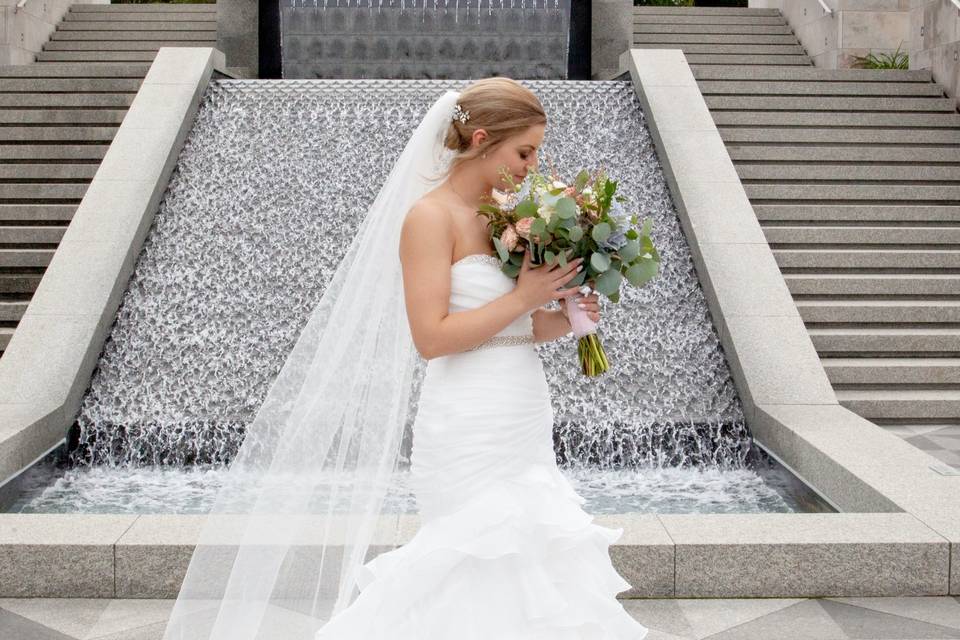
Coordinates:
559	185
545	211
500	197
587	190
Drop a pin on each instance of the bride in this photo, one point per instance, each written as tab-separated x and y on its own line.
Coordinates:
504	550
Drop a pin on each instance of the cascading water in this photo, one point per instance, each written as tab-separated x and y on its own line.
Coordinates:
424	39
269	188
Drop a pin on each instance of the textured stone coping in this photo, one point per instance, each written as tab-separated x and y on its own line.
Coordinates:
52	354
789	404
708	555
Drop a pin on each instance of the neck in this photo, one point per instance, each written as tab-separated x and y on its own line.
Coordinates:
470	187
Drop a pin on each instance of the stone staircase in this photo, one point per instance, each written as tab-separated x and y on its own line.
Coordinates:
855	177
58	117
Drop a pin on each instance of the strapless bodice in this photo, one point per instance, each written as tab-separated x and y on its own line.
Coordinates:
476	280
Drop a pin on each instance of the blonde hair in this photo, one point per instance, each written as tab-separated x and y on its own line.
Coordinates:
500	106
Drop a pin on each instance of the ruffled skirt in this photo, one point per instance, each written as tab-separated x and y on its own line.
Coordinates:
505	550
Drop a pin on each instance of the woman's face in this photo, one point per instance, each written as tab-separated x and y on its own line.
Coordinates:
518	154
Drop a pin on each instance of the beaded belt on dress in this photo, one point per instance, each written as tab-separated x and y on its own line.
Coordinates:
500	341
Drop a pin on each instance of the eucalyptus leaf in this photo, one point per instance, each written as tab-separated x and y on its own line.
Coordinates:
550	256
641	272
647	225
501	250
630	250
608	282
600	261
510	269
516	258
601	232
581	180
566	208
576	233
538	227
526	208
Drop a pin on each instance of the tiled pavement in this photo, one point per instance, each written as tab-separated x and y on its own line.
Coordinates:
940	441
667	619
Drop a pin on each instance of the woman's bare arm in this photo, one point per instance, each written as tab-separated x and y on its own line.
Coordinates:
549	324
426	247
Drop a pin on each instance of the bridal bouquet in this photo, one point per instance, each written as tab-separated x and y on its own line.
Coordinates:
559	221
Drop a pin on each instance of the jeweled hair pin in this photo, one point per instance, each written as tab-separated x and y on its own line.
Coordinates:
460	114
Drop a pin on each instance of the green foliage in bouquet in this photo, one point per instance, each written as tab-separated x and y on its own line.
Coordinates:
559	222
567	221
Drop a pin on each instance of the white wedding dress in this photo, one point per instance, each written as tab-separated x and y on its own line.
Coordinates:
504	550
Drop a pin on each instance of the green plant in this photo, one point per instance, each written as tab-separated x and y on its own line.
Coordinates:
896	60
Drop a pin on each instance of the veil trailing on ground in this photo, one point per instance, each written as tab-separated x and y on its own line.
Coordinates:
304	499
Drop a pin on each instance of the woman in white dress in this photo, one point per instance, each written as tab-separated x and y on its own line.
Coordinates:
504	550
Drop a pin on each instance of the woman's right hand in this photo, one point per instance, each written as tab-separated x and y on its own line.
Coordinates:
537	285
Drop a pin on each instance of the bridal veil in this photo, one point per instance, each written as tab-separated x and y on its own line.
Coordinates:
304	499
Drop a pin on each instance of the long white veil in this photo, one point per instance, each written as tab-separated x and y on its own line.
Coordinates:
283	547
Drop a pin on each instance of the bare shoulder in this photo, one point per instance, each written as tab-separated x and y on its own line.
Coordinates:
427	227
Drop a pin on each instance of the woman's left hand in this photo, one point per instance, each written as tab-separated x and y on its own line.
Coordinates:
590	303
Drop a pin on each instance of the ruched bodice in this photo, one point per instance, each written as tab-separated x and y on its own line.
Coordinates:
476	280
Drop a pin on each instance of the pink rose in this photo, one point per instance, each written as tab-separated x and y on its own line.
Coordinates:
569	191
509	238
523	227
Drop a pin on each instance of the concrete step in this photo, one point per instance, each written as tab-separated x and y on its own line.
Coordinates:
18	258
819	88
895	235
829	103
124	17
95	56
740	49
144	8
45	193
829	153
19	283
875	341
205	35
46	100
892	371
137	26
661	27
118	45
53	151
26	213
835	119
12	310
693	18
49	235
696	60
878	311
53	172
890	192
810	74
902	404
686	12
848	172
71	70
57	134
713	38
872	284
73	117
5	334
795	260
857	212
67	85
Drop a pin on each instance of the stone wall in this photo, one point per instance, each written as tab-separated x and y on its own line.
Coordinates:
935	31
24	30
854	28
